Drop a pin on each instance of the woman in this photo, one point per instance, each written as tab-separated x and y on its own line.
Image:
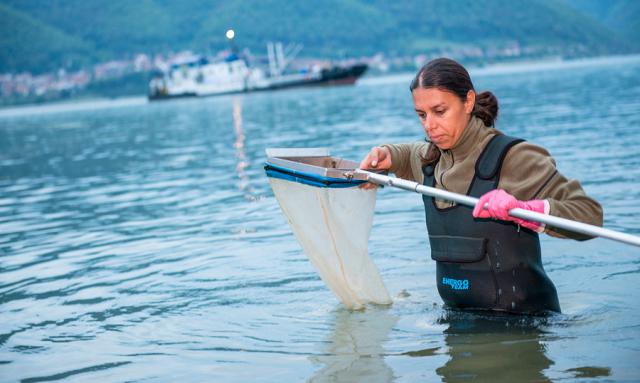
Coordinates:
485	259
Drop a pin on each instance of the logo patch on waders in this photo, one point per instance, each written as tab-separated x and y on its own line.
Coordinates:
456	284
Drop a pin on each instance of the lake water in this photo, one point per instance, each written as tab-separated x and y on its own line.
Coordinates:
141	242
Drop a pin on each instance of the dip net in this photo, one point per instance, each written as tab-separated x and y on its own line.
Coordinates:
331	218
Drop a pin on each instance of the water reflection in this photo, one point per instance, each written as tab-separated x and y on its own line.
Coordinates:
241	156
354	351
494	348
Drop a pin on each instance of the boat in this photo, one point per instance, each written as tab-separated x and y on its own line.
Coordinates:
200	76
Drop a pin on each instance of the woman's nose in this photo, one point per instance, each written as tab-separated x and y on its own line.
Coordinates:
429	124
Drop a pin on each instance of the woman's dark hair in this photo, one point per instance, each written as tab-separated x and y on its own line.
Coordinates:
449	75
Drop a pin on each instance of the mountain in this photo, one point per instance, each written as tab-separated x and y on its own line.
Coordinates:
622	16
39	36
28	44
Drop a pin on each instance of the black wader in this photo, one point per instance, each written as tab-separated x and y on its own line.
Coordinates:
483	263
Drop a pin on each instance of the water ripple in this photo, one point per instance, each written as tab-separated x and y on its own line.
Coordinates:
141	240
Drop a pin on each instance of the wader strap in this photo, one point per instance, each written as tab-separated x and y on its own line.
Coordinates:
428	171
489	164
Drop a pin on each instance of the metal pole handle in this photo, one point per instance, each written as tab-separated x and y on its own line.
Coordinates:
562	223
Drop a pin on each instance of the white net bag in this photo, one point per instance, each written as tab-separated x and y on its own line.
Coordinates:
332	220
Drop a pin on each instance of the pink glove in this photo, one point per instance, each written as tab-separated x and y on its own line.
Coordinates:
500	202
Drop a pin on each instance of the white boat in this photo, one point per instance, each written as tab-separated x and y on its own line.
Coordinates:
198	76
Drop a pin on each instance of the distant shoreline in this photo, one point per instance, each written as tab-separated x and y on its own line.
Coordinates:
71	105
390	78
513	67
551	64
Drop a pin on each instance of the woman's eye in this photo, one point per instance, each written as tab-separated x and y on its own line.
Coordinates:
422	116
440	112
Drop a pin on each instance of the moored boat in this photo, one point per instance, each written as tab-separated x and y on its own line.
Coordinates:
199	76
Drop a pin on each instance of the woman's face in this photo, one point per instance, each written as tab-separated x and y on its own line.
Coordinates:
443	115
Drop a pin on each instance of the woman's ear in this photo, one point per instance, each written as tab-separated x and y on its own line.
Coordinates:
470	102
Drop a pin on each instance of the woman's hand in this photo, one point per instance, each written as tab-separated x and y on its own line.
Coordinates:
499	202
378	158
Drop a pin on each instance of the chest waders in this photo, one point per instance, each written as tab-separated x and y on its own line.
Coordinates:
481	263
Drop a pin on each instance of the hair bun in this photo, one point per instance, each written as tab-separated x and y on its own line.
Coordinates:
486	108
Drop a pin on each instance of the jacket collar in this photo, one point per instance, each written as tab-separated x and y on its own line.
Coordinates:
470	138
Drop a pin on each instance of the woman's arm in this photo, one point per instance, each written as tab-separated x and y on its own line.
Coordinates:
529	173
406	161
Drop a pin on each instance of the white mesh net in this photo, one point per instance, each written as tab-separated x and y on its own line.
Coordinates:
333	227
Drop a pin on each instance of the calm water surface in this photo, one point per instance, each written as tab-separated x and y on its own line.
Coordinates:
141	242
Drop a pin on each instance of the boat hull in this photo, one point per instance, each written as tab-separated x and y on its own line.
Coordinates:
328	77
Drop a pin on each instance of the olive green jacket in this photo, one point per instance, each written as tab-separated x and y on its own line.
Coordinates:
528	172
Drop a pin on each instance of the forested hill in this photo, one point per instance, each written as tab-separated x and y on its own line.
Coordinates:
42	35
622	16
